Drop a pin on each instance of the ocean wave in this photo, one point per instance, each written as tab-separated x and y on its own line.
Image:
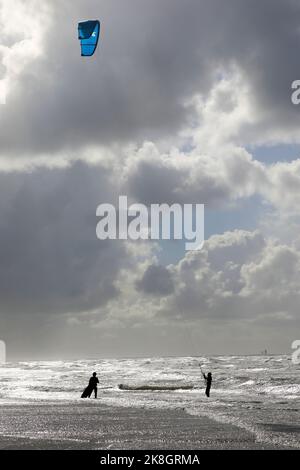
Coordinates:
155	387
244	387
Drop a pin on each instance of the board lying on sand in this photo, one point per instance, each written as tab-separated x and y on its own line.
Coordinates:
155	387
87	392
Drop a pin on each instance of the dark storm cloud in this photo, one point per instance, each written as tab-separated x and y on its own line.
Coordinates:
133	87
51	260
155	181
151	58
157	280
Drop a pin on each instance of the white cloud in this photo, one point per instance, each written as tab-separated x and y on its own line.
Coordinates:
22	33
237	276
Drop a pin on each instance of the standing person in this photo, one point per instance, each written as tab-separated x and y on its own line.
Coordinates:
93	382
92	387
208	380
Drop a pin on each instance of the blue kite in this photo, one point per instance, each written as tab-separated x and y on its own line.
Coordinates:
88	34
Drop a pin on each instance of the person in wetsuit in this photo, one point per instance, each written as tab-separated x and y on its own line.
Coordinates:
93	382
208	380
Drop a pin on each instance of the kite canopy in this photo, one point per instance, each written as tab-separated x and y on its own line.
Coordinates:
88	34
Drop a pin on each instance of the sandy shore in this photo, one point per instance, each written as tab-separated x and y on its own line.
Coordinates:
89	425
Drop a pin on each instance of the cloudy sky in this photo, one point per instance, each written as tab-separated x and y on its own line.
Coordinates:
186	102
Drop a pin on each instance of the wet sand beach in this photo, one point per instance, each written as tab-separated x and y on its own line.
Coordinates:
90	425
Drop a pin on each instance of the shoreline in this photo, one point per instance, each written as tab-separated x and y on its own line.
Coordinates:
45	426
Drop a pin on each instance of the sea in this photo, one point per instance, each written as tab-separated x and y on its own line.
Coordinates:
258	393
